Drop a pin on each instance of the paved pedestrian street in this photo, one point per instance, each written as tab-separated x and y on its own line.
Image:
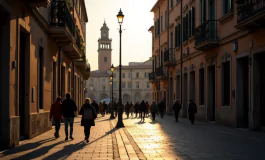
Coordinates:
154	140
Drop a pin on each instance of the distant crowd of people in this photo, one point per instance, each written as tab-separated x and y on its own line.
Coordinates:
65	111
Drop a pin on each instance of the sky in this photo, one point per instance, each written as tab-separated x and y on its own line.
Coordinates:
136	40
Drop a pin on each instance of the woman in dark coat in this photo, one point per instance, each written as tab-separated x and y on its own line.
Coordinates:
88	116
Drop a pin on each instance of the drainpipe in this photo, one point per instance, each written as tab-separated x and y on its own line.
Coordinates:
168	32
73	80
131	85
181	57
159	50
17	69
59	72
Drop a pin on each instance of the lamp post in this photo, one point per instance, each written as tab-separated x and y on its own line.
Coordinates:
119	124
111	82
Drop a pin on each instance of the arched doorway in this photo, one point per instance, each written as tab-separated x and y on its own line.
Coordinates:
103	96
137	97
147	97
125	99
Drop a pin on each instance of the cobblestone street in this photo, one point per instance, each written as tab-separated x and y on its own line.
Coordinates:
161	139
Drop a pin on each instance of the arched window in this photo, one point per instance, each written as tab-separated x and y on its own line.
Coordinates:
105	60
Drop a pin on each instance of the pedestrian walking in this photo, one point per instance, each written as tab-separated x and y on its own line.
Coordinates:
69	108
176	108
56	115
162	107
131	109
192	110
127	109
95	105
105	106
153	110
142	110
101	108
115	108
136	109
147	109
89	115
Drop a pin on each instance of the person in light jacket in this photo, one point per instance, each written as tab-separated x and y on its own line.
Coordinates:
89	115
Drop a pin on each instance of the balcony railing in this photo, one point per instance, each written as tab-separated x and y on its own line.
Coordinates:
152	76
61	17
161	72
169	56
38	3
78	41
206	35
249	8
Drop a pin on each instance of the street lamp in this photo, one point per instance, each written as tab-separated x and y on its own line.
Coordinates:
119	124
111	82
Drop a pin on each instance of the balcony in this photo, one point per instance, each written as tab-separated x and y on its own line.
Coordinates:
250	14
161	73
152	77
63	29
169	57
206	36
82	63
38	3
86	73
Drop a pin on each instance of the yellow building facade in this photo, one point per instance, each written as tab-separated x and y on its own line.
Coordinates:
211	51
42	56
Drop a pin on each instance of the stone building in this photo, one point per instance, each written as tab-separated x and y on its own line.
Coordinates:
42	56
221	43
135	83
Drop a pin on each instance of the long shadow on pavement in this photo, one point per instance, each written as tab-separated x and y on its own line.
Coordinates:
71	148
38	152
26	146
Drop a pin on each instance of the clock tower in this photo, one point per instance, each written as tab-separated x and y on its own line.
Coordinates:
104	49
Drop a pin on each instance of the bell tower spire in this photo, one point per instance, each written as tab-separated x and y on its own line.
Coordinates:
104	49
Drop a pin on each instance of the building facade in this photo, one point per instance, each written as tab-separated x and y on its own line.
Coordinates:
135	83
211	51
42	56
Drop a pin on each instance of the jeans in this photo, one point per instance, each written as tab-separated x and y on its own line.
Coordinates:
87	131
142	114
57	125
66	121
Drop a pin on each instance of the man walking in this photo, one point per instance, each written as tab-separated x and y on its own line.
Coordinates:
69	107
56	115
176	108
192	110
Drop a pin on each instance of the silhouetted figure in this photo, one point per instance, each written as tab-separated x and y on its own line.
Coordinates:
192	110
176	108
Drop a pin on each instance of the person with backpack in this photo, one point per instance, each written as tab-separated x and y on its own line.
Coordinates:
89	115
69	108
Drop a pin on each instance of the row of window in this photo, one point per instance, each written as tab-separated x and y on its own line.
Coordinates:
123	85
137	74
225	84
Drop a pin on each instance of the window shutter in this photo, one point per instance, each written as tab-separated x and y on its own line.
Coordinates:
176	36
193	20
179	37
158	32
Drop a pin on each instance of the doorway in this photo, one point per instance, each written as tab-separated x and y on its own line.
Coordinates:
211	94
185	96
192	86
171	98
63	81
41	78
261	58
22	83
242	83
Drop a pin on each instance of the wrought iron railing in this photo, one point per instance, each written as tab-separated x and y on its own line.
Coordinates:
248	8
206	31
152	76
161	71
61	17
169	55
